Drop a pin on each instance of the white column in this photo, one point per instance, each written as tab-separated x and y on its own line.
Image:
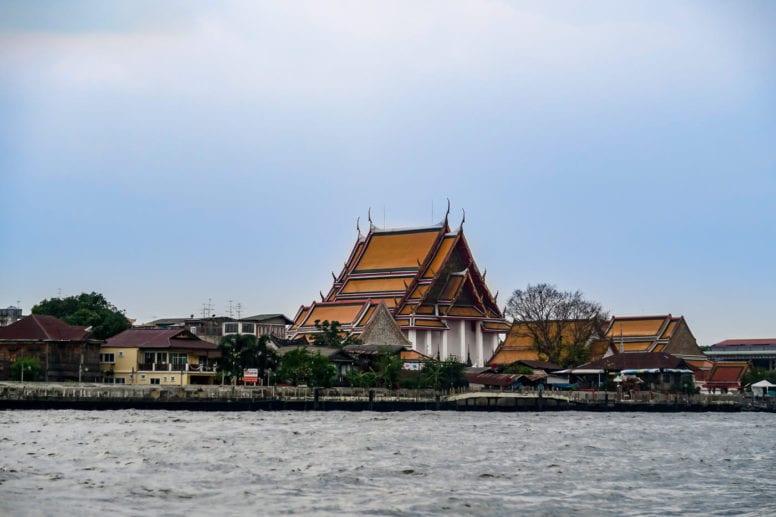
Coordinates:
428	343
462	337
413	338
480	347
444	344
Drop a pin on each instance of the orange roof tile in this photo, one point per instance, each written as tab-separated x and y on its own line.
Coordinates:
450	290
635	346
376	285
403	323
430	323
504	357
425	309
440	255
420	291
659	347
669	329
397	250
413	355
464	311
345	313
367	316
499	326
635	327
408	309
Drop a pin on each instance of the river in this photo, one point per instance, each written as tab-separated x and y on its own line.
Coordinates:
363	463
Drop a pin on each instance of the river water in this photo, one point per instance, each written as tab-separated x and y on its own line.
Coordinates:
325	463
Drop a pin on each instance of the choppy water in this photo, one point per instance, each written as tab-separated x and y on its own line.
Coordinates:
189	463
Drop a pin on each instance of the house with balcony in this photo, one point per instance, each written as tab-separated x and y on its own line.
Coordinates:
173	356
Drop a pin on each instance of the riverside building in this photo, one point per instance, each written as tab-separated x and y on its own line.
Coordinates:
429	281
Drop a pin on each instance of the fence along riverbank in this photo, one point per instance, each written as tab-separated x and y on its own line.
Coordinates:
14	395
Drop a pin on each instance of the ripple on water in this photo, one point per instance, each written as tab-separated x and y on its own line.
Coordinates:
136	462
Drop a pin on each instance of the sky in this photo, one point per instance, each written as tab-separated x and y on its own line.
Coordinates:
173	154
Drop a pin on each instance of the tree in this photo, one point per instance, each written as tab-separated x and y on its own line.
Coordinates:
241	351
86	309
331	335
301	366
758	374
444	375
560	323
33	371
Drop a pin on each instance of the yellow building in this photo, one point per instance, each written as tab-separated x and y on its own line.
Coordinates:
158	356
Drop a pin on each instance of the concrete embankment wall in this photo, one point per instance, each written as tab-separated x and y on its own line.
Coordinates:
247	398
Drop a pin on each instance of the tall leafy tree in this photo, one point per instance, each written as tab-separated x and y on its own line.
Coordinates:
241	351
301	366
560	323
330	334
89	310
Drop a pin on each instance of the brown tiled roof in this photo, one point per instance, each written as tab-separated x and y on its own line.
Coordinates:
491	379
159	338
540	365
635	361
43	327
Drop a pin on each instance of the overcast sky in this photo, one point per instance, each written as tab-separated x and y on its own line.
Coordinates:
167	153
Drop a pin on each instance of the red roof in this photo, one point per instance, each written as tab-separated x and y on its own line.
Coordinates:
159	338
734	342
43	327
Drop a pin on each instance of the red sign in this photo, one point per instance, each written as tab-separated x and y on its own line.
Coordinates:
251	375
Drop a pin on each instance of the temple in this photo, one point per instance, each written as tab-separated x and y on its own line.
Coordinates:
429	282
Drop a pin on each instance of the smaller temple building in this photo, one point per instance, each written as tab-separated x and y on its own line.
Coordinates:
66	352
158	356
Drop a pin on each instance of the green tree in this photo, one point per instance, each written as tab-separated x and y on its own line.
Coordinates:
444	375
86	309
33	371
758	374
560	323
389	367
241	351
330	334
357	379
301	366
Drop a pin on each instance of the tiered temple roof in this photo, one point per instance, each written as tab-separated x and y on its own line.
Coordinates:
426	277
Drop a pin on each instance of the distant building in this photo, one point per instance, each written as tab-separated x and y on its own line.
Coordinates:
66	352
9	315
259	325
158	356
760	352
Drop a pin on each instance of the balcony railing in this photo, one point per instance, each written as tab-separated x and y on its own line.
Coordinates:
168	367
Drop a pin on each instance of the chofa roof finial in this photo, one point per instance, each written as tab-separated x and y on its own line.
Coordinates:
358	225
369	216
463	219
448	210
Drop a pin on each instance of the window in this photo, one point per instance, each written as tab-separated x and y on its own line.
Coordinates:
119	380
121	354
142	376
178	358
172	379
156	381
248	328
230	328
107	358
165	379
